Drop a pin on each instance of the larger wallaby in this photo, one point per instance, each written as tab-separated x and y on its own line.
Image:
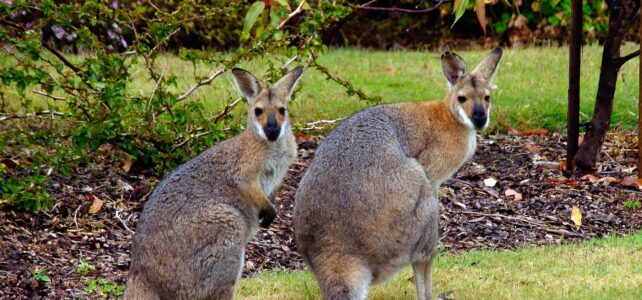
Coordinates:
190	238
368	204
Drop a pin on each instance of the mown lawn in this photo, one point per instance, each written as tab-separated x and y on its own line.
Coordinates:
600	269
532	84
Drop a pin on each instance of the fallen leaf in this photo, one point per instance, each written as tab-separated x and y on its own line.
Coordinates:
562	165
300	136
576	216
389	70
511	192
632	181
127	163
540	131
490	182
608	179
531	148
590	178
96	205
509	128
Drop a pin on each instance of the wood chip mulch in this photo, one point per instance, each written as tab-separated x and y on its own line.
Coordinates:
481	208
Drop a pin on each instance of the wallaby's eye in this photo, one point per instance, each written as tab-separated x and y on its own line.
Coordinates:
487	98
282	111
258	112
461	99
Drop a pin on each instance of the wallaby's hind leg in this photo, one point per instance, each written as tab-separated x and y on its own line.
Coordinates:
342	279
422	270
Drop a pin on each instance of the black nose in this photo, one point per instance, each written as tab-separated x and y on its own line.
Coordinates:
272	129
479	118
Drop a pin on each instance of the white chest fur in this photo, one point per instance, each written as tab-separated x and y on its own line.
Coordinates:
471	145
275	167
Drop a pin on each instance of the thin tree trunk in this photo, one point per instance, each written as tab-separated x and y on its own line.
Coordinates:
621	13
640	107
573	115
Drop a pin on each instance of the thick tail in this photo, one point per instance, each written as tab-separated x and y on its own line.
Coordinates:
342	278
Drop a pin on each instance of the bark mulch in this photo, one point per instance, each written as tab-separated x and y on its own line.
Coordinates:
512	194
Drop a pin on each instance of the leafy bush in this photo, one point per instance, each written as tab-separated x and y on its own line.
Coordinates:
93	107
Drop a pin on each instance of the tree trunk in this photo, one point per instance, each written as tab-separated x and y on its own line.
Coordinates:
574	63
621	13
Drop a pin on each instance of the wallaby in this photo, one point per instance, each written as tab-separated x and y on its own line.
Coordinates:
190	239
368	204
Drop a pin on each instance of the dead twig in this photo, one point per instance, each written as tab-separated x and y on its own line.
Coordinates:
123	222
200	84
297	11
49	96
488	191
226	110
547	227
321	124
400	10
4	117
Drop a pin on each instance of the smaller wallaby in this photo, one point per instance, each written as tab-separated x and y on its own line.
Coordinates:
191	235
368	204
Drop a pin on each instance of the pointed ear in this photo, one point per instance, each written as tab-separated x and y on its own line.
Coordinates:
246	83
453	66
487	67
286	85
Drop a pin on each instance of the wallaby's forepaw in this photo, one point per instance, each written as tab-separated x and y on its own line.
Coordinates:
267	216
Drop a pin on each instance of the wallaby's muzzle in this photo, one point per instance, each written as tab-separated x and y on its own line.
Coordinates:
272	129
479	117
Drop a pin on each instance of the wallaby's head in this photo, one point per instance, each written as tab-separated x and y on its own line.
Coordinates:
469	96
268	113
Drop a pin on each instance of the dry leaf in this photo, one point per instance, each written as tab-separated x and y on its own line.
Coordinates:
300	136
632	181
531	148
490	182
509	128
511	192
534	132
96	205
608	180
562	165
389	70
576	216
590	178
127	163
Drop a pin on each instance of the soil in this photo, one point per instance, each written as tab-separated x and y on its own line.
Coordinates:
512	194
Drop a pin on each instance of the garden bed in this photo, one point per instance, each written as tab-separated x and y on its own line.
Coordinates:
476	213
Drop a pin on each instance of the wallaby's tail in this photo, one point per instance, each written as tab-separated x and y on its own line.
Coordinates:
138	289
342	278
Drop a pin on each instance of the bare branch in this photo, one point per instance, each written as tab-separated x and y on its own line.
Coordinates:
200	84
4	117
297	11
226	110
321	124
49	96
622	60
61	58
287	63
149	103
401	10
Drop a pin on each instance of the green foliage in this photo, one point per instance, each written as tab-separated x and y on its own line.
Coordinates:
632	204
40	275
92	100
84	268
104	288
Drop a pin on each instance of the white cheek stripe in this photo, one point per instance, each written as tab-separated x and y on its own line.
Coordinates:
259	130
285	123
464	118
487	117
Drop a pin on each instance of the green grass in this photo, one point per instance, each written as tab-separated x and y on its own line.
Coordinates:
600	269
532	84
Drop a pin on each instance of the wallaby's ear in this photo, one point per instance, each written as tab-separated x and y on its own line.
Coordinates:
246	83
453	66
285	86
487	67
